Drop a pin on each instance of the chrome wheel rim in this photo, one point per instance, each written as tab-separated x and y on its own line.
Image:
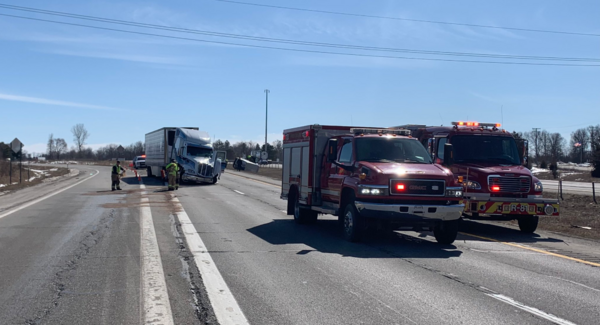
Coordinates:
348	222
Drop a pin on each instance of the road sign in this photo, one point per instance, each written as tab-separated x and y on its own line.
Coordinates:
16	145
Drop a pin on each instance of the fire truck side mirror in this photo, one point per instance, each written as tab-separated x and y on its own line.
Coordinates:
448	154
332	150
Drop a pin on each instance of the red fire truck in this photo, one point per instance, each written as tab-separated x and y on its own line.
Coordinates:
370	178
491	165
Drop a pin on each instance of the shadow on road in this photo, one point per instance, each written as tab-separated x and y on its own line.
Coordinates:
326	237
501	233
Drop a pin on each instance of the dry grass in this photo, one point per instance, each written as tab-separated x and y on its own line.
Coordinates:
575	210
50	171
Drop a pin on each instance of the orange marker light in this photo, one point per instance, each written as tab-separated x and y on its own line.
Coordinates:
498	125
461	123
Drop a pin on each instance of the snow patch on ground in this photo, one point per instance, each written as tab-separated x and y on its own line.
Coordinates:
535	170
3	185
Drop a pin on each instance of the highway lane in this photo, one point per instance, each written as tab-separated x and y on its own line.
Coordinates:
284	273
80	257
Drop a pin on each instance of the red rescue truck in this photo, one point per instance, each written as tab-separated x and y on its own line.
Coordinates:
370	178
491	164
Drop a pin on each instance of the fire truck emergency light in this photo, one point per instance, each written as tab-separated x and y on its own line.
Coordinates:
400	187
381	131
496	188
485	125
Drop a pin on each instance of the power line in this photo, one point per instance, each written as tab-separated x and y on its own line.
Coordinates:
408	19
288	41
295	49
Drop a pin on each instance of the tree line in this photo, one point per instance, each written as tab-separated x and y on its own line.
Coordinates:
547	148
243	149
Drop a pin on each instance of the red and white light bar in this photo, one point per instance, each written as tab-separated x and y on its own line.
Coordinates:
485	125
381	131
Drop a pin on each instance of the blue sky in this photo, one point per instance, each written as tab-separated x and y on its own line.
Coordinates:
122	86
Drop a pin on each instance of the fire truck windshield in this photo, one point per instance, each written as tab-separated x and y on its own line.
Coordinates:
387	149
490	149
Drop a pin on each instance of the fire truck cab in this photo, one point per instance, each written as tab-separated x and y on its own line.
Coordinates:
370	178
491	165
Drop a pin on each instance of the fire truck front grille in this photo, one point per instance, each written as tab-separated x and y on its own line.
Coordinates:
205	170
509	184
417	187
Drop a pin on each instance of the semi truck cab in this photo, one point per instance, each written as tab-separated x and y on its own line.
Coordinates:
491	166
370	178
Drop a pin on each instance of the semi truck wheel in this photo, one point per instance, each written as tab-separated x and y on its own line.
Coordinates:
445	232
215	179
303	216
149	171
353	223
528	224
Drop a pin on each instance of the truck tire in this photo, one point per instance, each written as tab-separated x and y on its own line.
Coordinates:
215	179
302	215
149	171
353	223
445	232
528	224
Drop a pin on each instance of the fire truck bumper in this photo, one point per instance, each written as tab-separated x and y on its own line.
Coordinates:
410	212
541	207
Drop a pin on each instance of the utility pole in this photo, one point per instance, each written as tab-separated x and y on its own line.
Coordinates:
266	118
536	144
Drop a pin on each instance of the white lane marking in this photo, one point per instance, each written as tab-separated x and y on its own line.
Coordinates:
238	192
225	306
532	310
45	197
157	309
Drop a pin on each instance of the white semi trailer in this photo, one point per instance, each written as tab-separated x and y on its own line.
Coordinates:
190	147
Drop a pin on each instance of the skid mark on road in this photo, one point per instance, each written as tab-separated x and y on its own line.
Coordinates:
534	249
157	308
223	302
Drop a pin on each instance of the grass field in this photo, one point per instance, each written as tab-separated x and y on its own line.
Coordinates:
30	175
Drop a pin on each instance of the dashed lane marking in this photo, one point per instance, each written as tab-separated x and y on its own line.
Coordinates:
534	249
46	197
225	306
238	192
532	310
255	180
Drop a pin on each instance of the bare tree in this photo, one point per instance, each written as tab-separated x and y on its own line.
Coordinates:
61	147
581	137
51	146
555	146
80	135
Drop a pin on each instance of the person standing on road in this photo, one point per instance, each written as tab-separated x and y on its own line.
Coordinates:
179	175
117	171
172	174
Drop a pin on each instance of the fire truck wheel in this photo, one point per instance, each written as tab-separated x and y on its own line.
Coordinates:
353	223
528	224
445	232
303	216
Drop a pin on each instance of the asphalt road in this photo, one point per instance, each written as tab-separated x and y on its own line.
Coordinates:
581	188
86	256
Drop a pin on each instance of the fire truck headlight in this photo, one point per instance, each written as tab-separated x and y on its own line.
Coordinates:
372	190
538	187
454	192
473	185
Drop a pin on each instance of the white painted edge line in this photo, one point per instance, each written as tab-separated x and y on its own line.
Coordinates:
532	310
225	306
238	192
156	305
45	197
